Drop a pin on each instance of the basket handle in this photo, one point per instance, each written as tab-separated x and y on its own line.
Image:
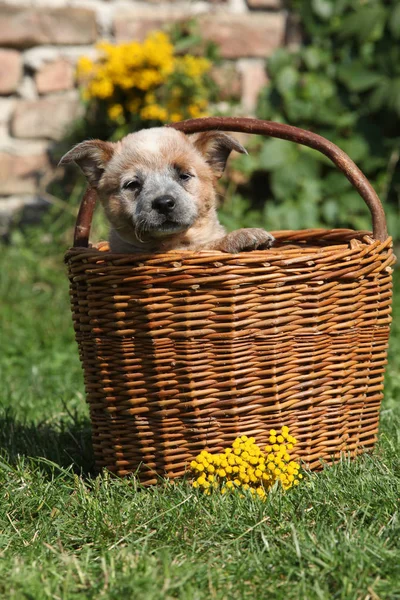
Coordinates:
268	128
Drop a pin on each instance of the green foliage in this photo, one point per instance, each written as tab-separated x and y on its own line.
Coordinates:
343	83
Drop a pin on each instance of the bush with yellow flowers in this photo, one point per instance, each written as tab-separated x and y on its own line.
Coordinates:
247	467
144	84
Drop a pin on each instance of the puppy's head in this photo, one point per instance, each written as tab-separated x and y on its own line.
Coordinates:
157	182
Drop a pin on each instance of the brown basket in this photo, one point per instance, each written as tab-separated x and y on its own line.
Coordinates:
184	351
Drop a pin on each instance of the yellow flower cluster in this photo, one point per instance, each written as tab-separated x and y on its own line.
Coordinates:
193	66
145	79
246	466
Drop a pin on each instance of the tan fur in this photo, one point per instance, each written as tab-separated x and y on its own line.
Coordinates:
107	166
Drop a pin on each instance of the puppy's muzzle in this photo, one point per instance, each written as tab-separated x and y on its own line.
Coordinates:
164	204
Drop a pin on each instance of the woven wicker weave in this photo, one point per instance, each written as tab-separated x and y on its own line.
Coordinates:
185	351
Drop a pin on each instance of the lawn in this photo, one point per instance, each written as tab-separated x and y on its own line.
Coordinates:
66	534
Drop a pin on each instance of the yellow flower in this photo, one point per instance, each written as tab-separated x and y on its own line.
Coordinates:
193	66
105	47
174	118
85	67
153	112
248	470
115	111
130	78
101	88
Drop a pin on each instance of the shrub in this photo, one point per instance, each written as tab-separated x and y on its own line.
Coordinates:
343	83
134	85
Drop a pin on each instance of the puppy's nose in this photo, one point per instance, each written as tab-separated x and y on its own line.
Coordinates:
164	204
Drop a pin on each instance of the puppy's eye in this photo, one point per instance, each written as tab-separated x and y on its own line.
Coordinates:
131	184
185	176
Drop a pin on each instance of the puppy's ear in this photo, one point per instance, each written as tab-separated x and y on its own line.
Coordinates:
92	157
216	147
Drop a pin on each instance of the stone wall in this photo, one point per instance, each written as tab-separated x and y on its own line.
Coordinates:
41	40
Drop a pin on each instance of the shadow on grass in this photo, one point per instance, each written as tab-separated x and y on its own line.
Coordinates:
64	444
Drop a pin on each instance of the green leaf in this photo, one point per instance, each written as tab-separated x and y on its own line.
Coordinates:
330	211
346	120
394	22
186	43
357	78
307	167
287	79
394	95
278	61
317	87
307	202
323	8
299	110
356	147
335	183
314	57
247	163
366	23
283	185
303	174
379	96
351	203
312	189
372	163
277	153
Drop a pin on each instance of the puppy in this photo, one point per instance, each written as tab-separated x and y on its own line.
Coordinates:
158	190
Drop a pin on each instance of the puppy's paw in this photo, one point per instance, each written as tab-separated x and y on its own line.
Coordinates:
246	239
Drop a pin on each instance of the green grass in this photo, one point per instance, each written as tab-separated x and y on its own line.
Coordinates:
66	534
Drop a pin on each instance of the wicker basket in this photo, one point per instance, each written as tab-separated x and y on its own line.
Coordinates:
185	351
